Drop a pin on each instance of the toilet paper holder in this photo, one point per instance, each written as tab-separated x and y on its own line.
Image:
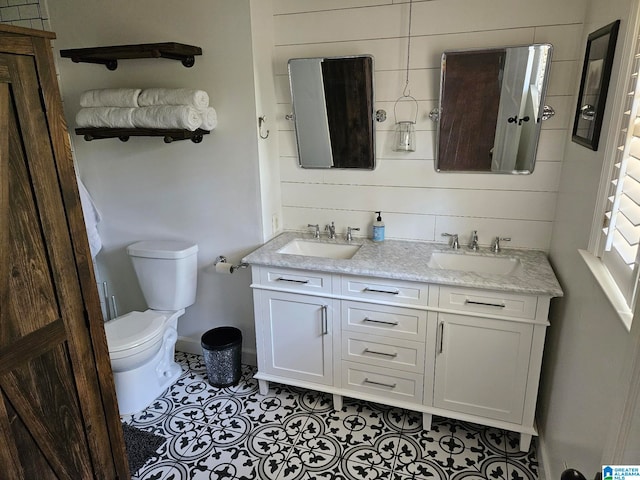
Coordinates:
230	268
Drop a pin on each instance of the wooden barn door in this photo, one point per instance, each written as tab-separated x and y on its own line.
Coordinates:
52	418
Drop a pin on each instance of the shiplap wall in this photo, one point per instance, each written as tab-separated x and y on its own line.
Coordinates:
25	13
417	202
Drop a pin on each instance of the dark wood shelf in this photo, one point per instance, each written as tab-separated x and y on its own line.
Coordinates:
109	56
123	134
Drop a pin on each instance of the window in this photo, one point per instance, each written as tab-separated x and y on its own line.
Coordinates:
617	239
622	218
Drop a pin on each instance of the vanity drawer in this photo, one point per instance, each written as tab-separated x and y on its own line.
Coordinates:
296	280
488	302
382	382
383	351
396	322
384	290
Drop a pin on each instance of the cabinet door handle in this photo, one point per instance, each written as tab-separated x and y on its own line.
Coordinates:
486	304
392	355
325	321
371	382
282	279
375	290
441	337
371	320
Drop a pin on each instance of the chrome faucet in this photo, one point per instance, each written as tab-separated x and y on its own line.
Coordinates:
331	229
349	230
495	246
473	243
316	233
454	240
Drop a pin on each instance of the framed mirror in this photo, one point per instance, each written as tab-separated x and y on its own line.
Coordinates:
491	108
333	111
594	83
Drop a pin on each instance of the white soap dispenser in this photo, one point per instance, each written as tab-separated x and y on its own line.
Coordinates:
378	229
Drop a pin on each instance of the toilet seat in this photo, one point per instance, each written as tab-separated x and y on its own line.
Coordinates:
134	329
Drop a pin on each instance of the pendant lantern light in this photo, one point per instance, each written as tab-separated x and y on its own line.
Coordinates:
405	130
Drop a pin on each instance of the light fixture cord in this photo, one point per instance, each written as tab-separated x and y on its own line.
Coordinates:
406	92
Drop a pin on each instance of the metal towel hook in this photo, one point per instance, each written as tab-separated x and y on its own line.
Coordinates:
262	120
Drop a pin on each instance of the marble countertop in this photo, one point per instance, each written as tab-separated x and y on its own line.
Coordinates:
406	260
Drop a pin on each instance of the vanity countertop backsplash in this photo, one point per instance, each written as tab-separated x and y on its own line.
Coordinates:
406	260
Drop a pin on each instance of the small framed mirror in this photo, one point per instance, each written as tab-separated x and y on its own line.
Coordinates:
491	108
333	111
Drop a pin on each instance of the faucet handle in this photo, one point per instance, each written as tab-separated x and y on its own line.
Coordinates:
454	240
317	229
349	230
495	247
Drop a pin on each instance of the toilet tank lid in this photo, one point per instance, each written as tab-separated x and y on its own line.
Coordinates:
162	249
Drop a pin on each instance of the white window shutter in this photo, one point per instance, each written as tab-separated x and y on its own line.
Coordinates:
622	218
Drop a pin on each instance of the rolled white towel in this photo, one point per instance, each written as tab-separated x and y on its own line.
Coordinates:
167	116
173	96
110	97
209	118
106	117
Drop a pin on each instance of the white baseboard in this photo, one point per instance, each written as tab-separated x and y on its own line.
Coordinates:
189	345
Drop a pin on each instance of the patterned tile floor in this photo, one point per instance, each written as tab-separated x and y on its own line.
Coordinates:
235	433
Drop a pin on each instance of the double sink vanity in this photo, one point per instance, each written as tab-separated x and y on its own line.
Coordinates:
455	333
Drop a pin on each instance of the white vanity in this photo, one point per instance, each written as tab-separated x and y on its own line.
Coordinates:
388	326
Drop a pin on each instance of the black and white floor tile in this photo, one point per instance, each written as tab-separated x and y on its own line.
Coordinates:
294	434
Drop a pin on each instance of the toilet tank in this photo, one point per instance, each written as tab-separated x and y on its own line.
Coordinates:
167	272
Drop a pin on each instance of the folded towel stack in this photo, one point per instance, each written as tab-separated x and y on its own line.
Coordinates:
161	108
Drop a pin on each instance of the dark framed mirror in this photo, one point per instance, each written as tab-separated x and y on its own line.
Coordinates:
333	111
491	108
594	83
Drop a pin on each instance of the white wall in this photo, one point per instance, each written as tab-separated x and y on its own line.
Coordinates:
208	193
417	202
587	345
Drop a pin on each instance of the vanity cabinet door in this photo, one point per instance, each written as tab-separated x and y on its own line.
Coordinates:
482	366
296	335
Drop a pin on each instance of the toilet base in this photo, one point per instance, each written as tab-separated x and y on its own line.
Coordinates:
136	389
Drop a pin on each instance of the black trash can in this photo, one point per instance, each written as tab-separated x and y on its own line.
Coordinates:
222	351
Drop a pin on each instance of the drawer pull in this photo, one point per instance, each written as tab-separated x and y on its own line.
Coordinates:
282	279
371	382
392	355
371	320
375	290
486	304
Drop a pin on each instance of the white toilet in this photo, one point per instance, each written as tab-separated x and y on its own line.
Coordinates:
142	344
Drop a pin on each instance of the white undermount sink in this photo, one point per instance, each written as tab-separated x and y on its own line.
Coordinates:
495	265
342	251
